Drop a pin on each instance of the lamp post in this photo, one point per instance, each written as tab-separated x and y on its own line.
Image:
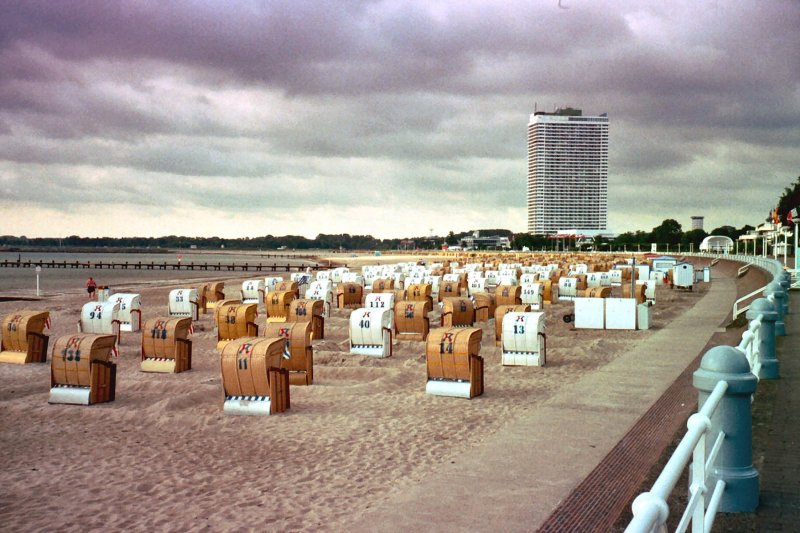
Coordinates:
785	248
795	246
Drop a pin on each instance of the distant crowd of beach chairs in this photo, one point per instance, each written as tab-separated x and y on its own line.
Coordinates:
387	303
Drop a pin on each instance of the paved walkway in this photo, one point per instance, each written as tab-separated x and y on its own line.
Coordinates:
519	475
777	432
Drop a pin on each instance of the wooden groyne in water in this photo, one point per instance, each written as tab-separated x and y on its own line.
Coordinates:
164	265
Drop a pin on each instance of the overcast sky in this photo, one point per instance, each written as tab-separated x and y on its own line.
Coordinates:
392	118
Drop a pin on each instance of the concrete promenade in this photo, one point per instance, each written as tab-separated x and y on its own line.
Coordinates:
520	474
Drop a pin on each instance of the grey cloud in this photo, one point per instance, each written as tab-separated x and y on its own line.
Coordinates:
647	154
61	188
238	104
345	47
263	39
641	150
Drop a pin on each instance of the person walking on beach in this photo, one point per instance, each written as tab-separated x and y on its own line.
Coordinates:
91	287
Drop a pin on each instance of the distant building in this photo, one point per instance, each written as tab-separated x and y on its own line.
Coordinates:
567	171
697	222
581	237
477	242
716	243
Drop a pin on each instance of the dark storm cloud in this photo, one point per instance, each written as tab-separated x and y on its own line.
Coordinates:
239	101
345	47
250	36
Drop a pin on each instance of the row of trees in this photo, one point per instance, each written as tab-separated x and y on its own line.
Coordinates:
669	233
790	199
268	242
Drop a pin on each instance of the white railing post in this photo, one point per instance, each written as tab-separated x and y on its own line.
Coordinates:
697	487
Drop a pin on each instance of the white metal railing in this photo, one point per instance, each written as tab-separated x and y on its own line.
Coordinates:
743	270
749	344
771	266
795	278
738	305
650	509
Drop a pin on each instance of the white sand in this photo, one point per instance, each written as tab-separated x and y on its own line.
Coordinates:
163	455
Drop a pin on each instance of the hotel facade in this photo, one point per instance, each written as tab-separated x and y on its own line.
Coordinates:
567	172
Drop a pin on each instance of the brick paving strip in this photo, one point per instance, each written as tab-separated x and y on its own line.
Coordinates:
611	487
516	478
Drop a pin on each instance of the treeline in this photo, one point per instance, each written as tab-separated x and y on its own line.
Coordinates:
668	233
268	242
790	199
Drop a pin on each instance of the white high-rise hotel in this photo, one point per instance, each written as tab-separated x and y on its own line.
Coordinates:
567	172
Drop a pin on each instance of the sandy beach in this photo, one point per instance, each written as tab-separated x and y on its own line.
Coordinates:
163	456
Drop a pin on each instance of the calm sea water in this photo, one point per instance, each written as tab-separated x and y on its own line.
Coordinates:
22	281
